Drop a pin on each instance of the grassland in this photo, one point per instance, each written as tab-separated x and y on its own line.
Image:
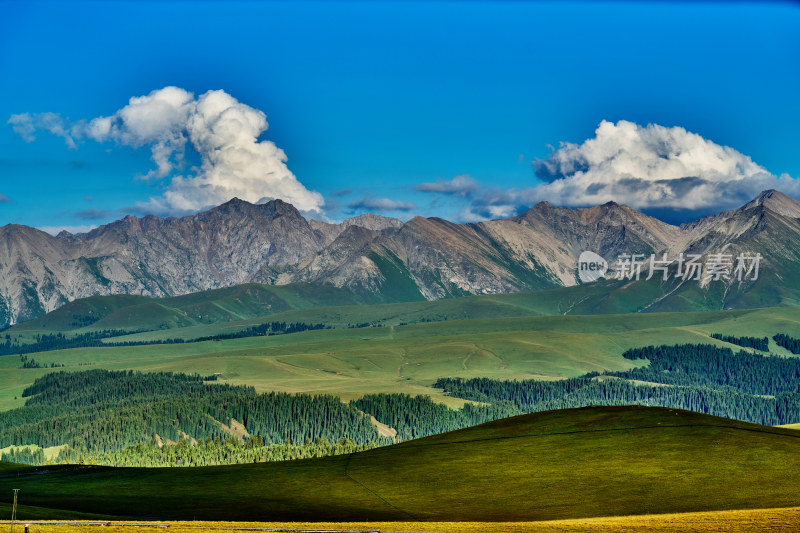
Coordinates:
591	462
225	310
352	362
774	520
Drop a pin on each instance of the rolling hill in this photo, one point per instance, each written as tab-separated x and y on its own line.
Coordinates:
597	461
137	313
232	308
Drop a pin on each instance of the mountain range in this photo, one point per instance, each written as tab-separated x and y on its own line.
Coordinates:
379	259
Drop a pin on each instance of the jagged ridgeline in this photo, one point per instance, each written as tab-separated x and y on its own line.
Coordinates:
370	260
100	411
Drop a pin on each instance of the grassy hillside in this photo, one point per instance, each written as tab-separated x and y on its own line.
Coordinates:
225	310
232	309
558	464
352	362
130	312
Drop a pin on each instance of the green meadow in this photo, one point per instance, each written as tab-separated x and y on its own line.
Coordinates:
350	362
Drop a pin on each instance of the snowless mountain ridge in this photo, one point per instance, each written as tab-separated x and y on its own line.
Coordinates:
238	242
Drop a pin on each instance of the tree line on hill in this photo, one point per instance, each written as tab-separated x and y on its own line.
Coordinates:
758	343
30	362
58	341
270	328
597	389
697	377
217	451
95	339
99	411
419	416
207	452
790	343
24	455
761	343
712	366
119	418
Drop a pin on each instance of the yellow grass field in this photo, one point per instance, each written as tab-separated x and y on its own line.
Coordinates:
775	520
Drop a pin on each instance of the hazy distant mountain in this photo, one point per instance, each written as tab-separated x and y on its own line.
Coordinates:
239	242
369	221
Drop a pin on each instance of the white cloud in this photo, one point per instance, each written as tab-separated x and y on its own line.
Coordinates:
380	204
646	167
55	230
158	120
26	124
651	167
222	130
23	125
460	186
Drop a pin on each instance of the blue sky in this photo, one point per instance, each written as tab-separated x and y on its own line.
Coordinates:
370	101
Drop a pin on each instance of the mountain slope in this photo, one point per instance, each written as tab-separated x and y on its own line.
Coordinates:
534	251
574	463
368	221
381	259
135	313
231	244
769	226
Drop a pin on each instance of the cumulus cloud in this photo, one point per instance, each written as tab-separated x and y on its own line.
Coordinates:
222	130
371	203
460	186
651	167
665	170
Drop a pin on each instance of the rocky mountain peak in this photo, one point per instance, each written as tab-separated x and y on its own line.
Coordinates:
541	208
278	207
237	206
240	242
330	232
775	201
610	212
373	222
